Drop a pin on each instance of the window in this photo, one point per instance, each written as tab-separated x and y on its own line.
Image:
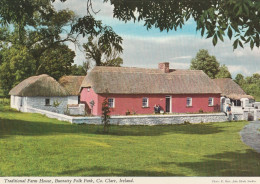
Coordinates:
47	101
189	102
111	102
211	101
145	102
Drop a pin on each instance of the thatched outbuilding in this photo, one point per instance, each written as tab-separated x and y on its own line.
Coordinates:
42	92
230	89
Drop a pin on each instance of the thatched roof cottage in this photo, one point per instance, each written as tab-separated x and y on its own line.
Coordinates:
42	92
138	89
232	93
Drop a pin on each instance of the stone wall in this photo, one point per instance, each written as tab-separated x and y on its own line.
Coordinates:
156	119
142	119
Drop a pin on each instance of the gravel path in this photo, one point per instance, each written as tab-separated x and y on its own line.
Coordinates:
250	135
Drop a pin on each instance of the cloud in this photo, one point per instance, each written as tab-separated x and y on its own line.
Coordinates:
181	57
144	48
179	50
235	69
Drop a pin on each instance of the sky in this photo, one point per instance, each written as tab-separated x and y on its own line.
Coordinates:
146	48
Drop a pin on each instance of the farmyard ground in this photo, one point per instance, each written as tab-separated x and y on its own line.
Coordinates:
33	145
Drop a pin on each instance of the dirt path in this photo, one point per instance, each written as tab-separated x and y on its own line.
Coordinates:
250	135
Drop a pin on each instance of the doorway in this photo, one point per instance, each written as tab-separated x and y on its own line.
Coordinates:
168	104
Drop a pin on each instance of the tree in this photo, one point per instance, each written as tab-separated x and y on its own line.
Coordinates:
101	53
239	79
24	14
78	70
223	72
56	62
239	19
203	61
17	65
250	84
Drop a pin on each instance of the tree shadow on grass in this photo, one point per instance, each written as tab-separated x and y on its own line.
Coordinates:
225	164
9	127
108	171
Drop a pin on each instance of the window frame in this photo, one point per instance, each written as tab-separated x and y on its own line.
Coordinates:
188	105
212	102
147	102
109	102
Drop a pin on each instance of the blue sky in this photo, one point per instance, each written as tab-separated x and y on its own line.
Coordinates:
146	48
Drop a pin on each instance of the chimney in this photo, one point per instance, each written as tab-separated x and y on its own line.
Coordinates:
164	67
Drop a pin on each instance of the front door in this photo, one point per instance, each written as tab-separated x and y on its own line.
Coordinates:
168	104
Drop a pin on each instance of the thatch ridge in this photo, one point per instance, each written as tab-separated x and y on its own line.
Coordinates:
231	89
71	84
132	80
41	85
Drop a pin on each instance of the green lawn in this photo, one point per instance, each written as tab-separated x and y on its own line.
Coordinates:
34	145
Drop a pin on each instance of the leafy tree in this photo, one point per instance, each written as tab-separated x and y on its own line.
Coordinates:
223	72
56	62
78	70
203	61
239	79
17	65
239	19
25	13
250	84
101	53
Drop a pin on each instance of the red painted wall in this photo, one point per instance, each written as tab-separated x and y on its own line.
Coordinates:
134	102
86	96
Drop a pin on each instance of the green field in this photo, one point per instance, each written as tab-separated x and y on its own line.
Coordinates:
34	145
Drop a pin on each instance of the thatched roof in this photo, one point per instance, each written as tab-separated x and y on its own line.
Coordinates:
231	89
129	80
42	85
72	84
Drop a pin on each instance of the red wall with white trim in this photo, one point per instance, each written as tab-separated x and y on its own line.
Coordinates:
133	102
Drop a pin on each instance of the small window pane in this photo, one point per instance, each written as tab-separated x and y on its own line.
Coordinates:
145	102
211	101
47	101
189	102
111	102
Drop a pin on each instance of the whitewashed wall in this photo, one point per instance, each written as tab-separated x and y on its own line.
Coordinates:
39	103
72	99
23	103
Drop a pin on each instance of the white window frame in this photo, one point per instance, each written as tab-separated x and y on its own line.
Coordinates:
147	102
113	105
212	101
188	105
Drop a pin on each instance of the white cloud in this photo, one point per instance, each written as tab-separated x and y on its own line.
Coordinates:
181	57
147	50
235	69
179	51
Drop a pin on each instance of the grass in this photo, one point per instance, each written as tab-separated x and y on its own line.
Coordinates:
34	145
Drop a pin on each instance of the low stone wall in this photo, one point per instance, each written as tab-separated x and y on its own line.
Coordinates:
142	119
49	114
156	119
